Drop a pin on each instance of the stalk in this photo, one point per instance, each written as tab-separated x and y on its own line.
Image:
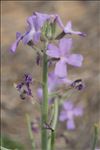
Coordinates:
95	137
54	124
44	119
30	131
53	140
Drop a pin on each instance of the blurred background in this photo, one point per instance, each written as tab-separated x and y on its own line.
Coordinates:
85	16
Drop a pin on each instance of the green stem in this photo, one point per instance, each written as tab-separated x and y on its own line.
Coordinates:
55	118
44	136
53	140
49	142
95	137
30	131
54	124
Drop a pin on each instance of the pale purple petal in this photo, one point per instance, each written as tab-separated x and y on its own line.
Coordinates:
33	23
70	124
40	93
78	111
53	51
41	18
75	60
67	81
29	36
68	30
70	114
62	116
68	105
36	37
65	45
52	47
15	44
18	34
30	22
58	20
78	33
32	28
53	81
51	76
61	69
82	34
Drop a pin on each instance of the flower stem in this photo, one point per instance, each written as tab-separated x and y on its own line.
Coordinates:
30	131
54	124
44	136
55	118
95	136
53	140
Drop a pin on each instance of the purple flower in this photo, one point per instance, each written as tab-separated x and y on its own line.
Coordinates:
53	83
35	24
68	113
68	29
24	86
33	32
63	54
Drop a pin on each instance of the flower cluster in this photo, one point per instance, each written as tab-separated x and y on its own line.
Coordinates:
42	28
34	29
